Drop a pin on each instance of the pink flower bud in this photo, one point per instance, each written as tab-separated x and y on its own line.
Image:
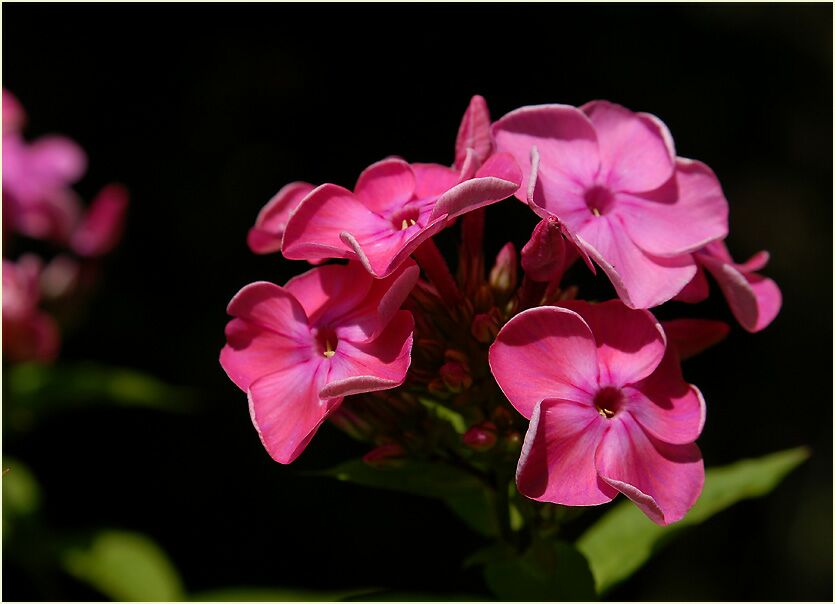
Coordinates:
543	256
481	437
484	328
383	454
456	377
504	272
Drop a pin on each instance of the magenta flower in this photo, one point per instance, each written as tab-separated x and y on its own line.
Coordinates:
298	350
265	237
609	409
29	334
754	300
100	229
612	178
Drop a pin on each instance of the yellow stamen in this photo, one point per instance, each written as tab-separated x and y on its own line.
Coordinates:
605	412
329	352
411	222
595	211
404	225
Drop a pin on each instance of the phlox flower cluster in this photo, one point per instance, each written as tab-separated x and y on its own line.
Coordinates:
39	204
586	398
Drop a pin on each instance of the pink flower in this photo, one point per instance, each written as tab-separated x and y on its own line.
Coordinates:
265	236
609	409
690	337
396	206
100	229
298	350
612	178
29	334
754	300
38	201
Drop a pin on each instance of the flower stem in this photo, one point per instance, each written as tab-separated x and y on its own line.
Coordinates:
433	264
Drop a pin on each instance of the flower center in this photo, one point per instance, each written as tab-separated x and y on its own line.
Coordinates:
404	218
326	342
598	199
607	400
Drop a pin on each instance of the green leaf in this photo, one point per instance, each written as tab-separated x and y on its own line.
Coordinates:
33	388
276	594
548	571
624	539
462	492
21	493
455	419
125	567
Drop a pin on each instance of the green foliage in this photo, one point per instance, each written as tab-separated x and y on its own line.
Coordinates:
125	567
547	571
275	594
414	596
33	388
624	539
21	494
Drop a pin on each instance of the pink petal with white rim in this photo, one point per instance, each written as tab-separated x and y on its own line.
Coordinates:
754	300
563	134
101	226
265	236
286	410
544	352
666	406
636	151
663	480
641	280
314	228
630	343
689	337
378	364
682	216
480	191
474	132
557	459
431	180
385	186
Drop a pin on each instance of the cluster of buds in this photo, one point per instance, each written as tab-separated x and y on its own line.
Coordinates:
40	204
490	366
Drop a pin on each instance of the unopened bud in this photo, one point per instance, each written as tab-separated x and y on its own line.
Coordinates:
514	442
383	454
483	298
504	272
456	377
543	256
484	328
481	437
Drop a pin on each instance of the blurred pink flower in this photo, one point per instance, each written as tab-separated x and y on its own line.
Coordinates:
754	300
612	179
298	350
29	334
100	229
609	410
265	237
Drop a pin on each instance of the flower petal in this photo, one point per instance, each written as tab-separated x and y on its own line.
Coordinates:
286	409
630	343
385	186
696	291
681	216
431	180
564	136
330	291
101	227
474	132
636	150
689	337
378	364
544	352
265	236
497	179
314	228
641	280
557	459
663	480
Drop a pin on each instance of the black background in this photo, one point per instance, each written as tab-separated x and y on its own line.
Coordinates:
204	111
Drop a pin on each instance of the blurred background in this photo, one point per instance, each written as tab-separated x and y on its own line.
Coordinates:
205	112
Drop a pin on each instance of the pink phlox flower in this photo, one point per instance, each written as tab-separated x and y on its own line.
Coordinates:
395	206
29	334
265	237
100	228
38	200
753	299
298	350
14	117
612	178
609	410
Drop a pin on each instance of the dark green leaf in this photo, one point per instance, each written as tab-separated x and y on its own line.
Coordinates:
276	594
408	596
624	539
